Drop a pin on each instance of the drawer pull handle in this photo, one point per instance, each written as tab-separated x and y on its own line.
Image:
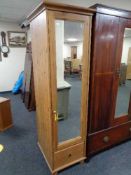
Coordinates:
106	139
69	155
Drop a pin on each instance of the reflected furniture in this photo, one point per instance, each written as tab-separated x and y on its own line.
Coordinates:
75	65
105	128
72	66
5	114
73	52
47	25
123	73
67	66
63	100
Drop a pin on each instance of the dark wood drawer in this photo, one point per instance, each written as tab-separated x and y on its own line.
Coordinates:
107	138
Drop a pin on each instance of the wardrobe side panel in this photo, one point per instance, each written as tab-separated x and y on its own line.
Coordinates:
41	65
102	69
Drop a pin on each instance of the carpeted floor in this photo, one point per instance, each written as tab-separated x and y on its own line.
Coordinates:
23	157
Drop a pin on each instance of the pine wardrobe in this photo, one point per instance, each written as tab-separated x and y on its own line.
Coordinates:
110	79
61	97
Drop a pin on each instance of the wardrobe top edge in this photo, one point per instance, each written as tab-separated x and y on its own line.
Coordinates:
60	7
108	10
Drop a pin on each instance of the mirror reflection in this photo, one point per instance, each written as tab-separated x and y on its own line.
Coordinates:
69	51
124	90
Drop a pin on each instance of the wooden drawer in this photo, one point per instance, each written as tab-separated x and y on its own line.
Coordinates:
5	114
69	156
1	122
107	138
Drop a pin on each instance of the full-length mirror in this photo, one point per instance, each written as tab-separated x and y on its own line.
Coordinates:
124	90
69	52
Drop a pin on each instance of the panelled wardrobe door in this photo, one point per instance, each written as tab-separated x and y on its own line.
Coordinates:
69	91
105	35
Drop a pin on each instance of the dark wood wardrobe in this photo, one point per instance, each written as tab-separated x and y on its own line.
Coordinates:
110	103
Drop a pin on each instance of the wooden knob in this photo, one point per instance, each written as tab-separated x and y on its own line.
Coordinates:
69	155
106	139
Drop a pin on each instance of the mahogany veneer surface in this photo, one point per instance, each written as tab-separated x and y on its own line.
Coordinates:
109	137
106	51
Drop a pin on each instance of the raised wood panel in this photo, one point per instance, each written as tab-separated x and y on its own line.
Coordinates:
109	137
106	39
120	120
100	114
41	64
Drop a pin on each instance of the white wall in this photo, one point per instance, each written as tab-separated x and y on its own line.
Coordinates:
59	50
67	50
79	50
126	45
11	66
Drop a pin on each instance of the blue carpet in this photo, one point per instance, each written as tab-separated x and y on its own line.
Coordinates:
23	157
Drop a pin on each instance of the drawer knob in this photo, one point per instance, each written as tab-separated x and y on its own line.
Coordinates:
69	155
106	139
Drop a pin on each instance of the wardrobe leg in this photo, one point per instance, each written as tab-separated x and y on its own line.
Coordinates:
55	173
82	162
87	160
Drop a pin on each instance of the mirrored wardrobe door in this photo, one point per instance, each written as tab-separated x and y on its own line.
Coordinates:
124	87
70	76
